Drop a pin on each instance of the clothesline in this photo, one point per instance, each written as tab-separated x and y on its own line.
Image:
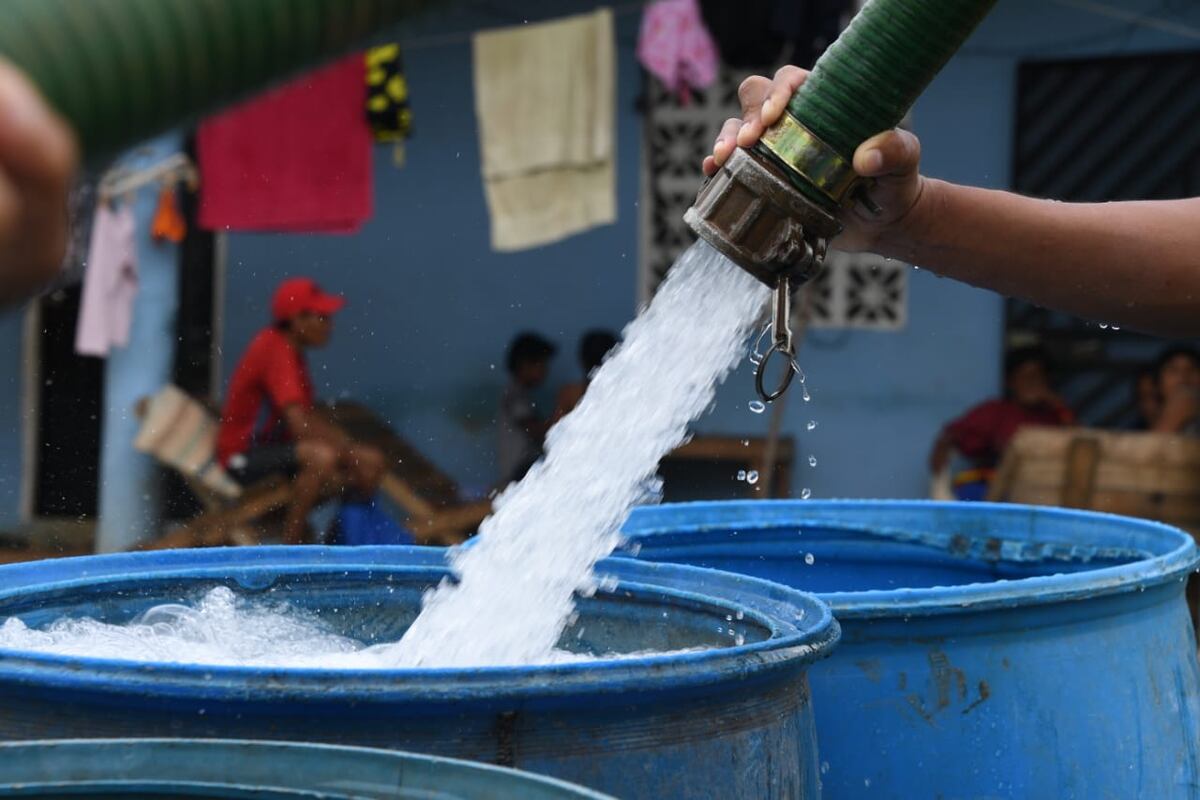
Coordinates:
1150	21
462	37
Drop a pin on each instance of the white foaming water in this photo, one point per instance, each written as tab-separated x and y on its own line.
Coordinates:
221	629
516	587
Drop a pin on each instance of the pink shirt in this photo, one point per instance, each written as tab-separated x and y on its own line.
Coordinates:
110	283
675	46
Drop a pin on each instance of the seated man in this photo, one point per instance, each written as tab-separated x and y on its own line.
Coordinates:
1177	376
294	441
982	434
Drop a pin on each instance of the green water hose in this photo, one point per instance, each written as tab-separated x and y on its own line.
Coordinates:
869	78
773	209
121	71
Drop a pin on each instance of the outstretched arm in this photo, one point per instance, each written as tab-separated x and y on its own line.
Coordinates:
1135	264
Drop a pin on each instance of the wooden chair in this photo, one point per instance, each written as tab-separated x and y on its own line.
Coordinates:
1150	475
180	432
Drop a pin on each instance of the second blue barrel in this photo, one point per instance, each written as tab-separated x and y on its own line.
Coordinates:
215	769
988	651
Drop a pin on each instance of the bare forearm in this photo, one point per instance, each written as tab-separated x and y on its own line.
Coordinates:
1135	264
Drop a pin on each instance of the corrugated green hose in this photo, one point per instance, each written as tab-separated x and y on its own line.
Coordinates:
869	78
121	71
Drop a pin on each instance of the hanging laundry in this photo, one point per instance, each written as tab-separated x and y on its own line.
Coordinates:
110	282
544	100
388	111
676	48
169	224
296	159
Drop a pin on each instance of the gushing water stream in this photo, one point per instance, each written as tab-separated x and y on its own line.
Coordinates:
515	591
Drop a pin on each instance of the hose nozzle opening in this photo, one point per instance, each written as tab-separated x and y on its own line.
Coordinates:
753	214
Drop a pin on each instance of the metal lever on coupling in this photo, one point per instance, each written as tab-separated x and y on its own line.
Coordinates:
781	344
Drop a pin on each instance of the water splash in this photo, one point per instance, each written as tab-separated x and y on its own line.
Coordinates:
223	629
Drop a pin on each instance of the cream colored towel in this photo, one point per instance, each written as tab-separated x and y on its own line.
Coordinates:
544	97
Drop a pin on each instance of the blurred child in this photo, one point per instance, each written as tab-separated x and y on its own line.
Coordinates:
593	347
521	429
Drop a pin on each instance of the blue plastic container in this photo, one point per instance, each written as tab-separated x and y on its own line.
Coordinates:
988	651
727	721
166	768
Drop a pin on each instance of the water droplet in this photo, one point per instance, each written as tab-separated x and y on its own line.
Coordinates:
757	406
1103	326
812	425
740	614
741	475
812	461
824	767
745	442
1116	327
752	477
807	396
809	559
805	494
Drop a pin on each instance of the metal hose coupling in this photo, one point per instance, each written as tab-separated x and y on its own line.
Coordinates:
752	211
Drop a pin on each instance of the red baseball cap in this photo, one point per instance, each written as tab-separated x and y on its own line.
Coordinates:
297	296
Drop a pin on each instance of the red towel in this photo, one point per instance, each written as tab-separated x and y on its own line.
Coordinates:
297	158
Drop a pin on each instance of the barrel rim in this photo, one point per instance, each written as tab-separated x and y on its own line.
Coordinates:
1177	557
793	644
349	756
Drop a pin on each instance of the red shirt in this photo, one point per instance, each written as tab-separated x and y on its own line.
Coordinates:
983	432
272	371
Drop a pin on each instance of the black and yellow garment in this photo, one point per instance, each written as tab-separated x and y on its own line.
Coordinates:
388	111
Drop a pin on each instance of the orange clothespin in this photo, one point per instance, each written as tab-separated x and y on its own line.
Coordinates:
169	224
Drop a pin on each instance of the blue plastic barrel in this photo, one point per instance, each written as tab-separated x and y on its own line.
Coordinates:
730	720
165	768
988	651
